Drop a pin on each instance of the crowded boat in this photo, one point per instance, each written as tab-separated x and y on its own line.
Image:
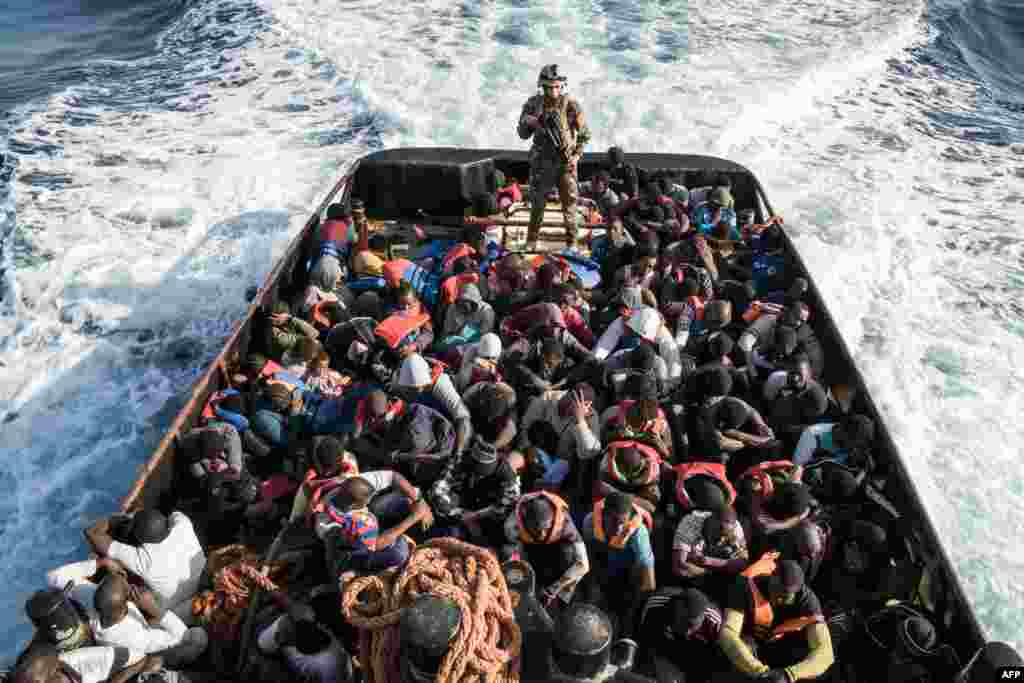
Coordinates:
619	451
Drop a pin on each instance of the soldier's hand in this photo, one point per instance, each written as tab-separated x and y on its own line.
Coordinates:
532	121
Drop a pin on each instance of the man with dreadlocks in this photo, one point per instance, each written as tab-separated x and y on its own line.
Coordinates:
555	122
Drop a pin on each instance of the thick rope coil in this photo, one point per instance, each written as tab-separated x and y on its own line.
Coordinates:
488	639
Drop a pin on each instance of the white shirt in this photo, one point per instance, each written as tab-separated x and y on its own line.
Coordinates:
322	666
135	633
132	632
97	664
171	568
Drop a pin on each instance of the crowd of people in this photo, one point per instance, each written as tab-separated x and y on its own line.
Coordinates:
669	446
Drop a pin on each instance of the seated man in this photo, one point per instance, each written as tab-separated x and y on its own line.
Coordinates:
541	367
428	383
730	425
297	359
781	508
623	367
699	486
715	210
643	325
466	320
312	652
352	535
163	551
599	194
709	546
95	664
630	467
323	379
678	629
212	449
418	443
771	602
571	415
544	533
285	331
492	406
475	496
623	177
575	311
408	327
642	418
122	615
835	440
480	363
621	559
392	496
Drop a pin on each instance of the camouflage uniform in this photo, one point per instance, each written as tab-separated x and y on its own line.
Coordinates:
552	165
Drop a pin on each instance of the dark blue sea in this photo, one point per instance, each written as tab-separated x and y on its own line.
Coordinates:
157	156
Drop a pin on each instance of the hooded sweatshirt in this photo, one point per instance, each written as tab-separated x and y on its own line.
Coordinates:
464	328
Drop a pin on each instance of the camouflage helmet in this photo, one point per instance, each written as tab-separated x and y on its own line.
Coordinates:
549	75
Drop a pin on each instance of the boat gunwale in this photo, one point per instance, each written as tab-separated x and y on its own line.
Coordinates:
206	384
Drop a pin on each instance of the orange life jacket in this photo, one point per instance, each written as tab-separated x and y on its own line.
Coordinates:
659	426
762	474
650	454
561	512
639	517
395	328
452	286
317	315
762	615
708	469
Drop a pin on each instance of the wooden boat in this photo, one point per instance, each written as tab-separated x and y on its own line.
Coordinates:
432	188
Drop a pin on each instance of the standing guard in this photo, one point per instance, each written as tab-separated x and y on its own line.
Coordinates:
555	121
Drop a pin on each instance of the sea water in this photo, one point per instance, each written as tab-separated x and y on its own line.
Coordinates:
158	156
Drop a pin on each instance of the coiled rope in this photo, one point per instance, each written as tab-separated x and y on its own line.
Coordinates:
488	639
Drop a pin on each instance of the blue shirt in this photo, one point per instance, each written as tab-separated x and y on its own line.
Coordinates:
636	554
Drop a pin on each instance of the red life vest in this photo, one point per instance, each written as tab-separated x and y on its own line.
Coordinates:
270	369
762	474
650	455
317	315
209	410
451	288
510	191
395	328
639	517
761	616
454	254
708	469
561	514
335	230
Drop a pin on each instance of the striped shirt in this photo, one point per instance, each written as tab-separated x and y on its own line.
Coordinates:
655	624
